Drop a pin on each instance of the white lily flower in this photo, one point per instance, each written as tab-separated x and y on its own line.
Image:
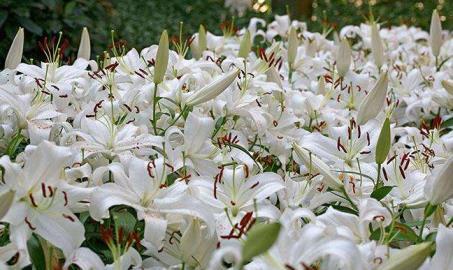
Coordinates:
142	185
439	186
311	245
103	136
443	258
197	149
85	259
312	162
192	247
40	206
235	189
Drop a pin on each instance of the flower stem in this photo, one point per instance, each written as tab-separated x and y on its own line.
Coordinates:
154	109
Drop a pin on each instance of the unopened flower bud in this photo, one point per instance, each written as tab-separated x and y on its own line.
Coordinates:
212	90
344	55
435	34
377	48
373	103
14	56
84	47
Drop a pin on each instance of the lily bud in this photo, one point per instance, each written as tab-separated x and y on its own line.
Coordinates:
321	86
200	44
439	187
293	43
212	90
246	45
84	47
312	162
14	56
161	58
202	40
344	55
448	85
376	46
372	104
7	199
408	258
435	34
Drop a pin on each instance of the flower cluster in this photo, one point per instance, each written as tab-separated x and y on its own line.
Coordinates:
270	147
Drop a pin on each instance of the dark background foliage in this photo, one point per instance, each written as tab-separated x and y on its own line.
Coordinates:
140	22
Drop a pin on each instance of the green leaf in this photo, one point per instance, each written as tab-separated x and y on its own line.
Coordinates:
383	143
405	232
345	209
124	219
36	253
3	17
13	145
218	125
30	25
381	192
69	8
447	123
259	239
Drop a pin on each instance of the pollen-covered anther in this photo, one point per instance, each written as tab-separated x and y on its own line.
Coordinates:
379	218
68	217
29	224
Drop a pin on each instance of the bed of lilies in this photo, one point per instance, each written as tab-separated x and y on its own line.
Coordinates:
269	147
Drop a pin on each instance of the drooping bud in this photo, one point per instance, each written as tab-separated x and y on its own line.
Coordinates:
161	58
316	165
373	103
84	47
212	90
246	45
344	55
293	43
408	258
439	186
448	85
435	34
14	56
377	48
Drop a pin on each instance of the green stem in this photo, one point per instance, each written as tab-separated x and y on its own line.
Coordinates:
154	109
421	228
378	180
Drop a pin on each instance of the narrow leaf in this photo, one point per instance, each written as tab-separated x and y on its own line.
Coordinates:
381	192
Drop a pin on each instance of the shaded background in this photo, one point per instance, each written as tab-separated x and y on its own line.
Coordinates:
140	22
